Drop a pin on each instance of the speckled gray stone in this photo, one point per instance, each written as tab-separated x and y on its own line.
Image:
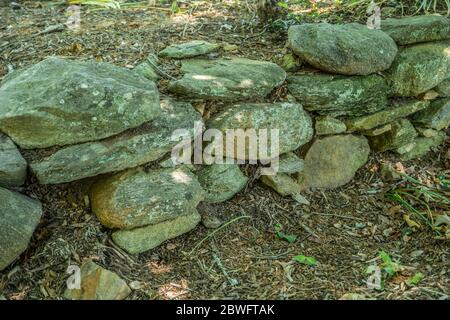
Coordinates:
13	167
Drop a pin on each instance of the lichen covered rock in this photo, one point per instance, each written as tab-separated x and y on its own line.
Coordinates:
437	116
13	167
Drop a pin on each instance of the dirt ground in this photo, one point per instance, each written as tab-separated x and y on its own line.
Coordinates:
343	229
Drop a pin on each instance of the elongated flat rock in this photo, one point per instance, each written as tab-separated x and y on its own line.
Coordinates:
337	95
136	198
13	167
19	216
127	150
188	49
228	79
60	102
351	49
419	68
410	30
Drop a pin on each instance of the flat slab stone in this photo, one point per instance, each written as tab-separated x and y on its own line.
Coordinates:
19	217
13	167
293	123
337	95
437	116
351	49
396	111
127	150
419	68
189	49
420	146
59	102
146	238
228	79
402	132
136	198
410	30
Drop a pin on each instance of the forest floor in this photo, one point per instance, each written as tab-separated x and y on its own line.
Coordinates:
343	229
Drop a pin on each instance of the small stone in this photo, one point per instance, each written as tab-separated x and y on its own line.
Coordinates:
290	62
19	217
427	132
436	116
146	238
355	296
377	131
136	198
328	125
13	167
420	146
290	163
189	49
281	183
210	221
396	111
98	283
221	181
148	67
402	133
388	173
429	95
332	161
230	47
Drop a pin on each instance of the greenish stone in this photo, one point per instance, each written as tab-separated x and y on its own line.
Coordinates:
189	49
98	283
148	68
136	198
337	95
13	167
19	217
282	183
396	111
146	238
436	116
401	133
409	30
290	62
419	68
221	181
293	123
420	146
127	150
351	49
61	102
443	89
228	79
377	131
426	132
329	125
332	161
389	173
290	163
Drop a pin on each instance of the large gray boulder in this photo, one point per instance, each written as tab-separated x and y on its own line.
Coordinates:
19	216
130	149
419	68
409	30
333	161
293	123
136	198
60	102
13	167
351	49
228	79
338	95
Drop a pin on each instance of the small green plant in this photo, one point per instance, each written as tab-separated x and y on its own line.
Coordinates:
414	280
280	234
390	267
310	261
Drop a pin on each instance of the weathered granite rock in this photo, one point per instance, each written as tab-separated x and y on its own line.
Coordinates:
332	161
60	102
416	29
146	238
328	125
443	88
13	167
351	49
130	149
98	283
221	181
293	123
290	163
396	111
419	68
189	49
402	132
147	68
437	116
228	79
136	198
19	216
337	95
420	146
